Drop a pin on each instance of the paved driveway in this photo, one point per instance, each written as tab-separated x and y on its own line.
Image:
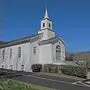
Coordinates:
59	83
51	83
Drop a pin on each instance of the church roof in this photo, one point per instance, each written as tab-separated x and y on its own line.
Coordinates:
31	39
51	40
21	40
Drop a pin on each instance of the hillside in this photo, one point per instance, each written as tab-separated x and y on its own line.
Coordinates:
1	42
79	56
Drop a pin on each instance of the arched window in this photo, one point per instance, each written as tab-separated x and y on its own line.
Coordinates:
19	52
49	25
3	54
58	52
43	24
10	53
34	50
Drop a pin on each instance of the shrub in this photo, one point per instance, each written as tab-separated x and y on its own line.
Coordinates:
88	64
36	67
74	70
52	68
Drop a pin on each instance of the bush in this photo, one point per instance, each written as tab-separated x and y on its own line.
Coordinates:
52	68
88	64
74	70
36	67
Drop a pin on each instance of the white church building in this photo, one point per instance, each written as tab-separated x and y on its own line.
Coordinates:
43	48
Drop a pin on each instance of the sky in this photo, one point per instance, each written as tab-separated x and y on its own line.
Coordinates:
71	20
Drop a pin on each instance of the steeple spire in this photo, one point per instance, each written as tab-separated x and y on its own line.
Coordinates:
46	14
46	27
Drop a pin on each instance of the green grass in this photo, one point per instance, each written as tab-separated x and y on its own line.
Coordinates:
10	84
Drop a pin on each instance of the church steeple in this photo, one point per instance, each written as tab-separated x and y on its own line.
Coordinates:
46	23
46	14
46	27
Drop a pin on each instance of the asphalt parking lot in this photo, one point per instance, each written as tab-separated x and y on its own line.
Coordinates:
60	83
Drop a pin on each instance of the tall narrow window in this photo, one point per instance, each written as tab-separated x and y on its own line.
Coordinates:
10	53
34	50
49	25
58	52
3	54
19	52
43	24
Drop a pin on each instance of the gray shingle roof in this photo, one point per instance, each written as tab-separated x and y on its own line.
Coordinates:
31	39
51	40
20	41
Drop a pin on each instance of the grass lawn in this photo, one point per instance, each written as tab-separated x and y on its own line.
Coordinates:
10	84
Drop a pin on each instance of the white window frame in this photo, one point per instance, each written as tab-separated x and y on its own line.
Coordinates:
58	53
